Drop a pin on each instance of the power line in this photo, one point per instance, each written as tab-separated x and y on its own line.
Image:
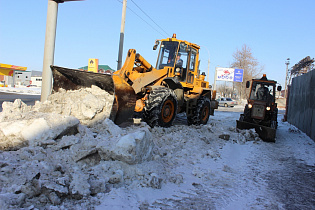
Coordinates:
151	19
144	20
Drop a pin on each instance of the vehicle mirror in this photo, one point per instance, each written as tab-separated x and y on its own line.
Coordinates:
279	88
157	42
247	84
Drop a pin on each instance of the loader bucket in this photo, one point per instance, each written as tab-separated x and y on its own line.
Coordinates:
265	133
125	97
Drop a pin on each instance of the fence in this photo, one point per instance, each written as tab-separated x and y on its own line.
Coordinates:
301	106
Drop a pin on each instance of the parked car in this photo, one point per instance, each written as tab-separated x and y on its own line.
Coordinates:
226	102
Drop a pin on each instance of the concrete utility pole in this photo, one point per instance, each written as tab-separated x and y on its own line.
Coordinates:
215	79
49	50
209	70
122	33
286	77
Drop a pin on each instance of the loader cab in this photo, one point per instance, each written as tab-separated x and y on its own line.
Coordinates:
171	51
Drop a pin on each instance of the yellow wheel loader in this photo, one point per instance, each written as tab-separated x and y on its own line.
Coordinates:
154	94
261	110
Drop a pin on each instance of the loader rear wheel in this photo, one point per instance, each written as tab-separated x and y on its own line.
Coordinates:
160	107
201	113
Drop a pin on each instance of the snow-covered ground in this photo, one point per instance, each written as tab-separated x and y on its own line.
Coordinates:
21	90
66	154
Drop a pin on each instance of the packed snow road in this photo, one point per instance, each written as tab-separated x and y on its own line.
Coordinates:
103	166
239	174
255	174
231	174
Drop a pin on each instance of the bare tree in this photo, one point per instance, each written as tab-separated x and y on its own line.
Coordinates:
224	90
243	59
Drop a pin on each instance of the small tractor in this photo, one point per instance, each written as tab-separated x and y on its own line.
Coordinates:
261	110
155	95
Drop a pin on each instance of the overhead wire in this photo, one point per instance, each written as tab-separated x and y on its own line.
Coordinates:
150	18
144	19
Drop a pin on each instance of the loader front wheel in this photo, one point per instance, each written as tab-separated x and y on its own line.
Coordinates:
160	107
201	113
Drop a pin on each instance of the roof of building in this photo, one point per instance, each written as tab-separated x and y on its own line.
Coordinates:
36	73
104	67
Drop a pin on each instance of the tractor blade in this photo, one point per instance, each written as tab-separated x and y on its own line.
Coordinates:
265	133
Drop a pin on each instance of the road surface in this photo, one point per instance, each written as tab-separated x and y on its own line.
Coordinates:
28	99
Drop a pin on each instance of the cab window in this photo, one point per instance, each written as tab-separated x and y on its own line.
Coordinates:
183	55
167	54
192	62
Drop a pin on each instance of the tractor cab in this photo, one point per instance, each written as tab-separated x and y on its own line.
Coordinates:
262	91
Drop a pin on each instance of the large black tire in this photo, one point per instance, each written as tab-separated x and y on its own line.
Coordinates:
247	114
201	113
274	119
160	107
241	118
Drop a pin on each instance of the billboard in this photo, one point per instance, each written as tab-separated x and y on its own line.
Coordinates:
238	75
225	74
229	74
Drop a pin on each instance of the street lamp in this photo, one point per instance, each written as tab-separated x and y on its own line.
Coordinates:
286	77
208	77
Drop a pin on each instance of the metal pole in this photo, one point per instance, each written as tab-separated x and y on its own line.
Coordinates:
122	34
209	69
13	78
49	50
286	78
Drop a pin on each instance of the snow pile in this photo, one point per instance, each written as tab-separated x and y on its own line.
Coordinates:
20	126
248	135
89	105
57	159
73	167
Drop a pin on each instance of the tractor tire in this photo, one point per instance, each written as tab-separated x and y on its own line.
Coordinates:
160	107
274	119
201	113
247	114
273	124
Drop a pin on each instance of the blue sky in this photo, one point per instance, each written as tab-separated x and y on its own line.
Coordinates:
274	30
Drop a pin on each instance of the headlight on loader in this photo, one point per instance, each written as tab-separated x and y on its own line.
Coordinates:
268	108
250	106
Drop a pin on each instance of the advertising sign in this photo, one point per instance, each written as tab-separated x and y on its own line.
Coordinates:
225	74
229	74
93	65
238	75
